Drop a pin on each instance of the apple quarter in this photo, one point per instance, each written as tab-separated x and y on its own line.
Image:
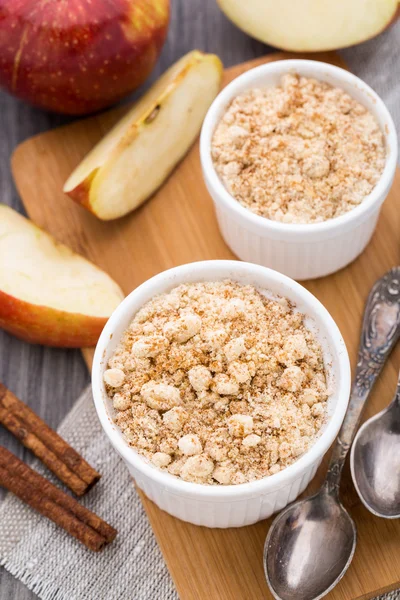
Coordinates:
48	294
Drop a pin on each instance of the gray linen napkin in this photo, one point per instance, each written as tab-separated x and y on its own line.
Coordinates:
46	559
54	565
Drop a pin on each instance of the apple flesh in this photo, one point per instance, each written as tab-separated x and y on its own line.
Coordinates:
79	56
140	151
48	294
311	25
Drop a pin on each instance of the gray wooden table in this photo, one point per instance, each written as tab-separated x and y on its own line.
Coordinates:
50	379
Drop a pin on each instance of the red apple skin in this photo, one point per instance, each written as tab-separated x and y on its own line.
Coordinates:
79	56
48	326
81	193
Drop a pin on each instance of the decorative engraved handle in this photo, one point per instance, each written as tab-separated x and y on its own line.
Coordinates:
380	332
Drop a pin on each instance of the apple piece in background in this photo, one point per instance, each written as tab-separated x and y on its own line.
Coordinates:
79	56
48	294
140	151
311	25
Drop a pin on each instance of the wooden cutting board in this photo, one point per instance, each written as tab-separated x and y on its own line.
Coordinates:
177	226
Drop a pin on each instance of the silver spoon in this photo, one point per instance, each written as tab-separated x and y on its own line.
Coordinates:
311	543
375	461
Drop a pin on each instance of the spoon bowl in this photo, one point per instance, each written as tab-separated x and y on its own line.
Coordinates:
375	462
298	562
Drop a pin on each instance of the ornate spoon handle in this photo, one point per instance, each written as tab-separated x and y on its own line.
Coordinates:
380	332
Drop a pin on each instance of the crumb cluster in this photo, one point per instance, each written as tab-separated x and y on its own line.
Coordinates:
301	152
217	383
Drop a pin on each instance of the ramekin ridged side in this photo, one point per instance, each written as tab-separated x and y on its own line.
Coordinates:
308	260
301	251
202	511
232	505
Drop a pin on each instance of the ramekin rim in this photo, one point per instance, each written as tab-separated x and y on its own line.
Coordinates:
264	485
221	193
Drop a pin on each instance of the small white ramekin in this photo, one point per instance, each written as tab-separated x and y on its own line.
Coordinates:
299	251
226	506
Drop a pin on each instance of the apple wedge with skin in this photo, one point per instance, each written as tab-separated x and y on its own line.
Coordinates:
141	150
311	25
48	294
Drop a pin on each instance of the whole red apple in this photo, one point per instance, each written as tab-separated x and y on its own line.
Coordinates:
79	56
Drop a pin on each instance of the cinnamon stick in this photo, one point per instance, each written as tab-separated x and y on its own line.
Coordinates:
46	444
31	441
53	503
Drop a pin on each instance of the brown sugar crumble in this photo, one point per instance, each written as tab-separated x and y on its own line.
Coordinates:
217	383
301	152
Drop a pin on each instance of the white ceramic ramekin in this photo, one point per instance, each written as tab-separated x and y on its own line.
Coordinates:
226	506
299	251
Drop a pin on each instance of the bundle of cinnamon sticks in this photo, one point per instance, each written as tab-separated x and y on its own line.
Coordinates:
46	444
63	461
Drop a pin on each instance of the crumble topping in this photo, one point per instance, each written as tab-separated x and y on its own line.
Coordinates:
217	383
301	152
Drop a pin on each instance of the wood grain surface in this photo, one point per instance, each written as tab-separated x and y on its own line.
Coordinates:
177	226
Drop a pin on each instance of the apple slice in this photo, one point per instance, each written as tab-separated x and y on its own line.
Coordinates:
310	25
48	294
137	155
